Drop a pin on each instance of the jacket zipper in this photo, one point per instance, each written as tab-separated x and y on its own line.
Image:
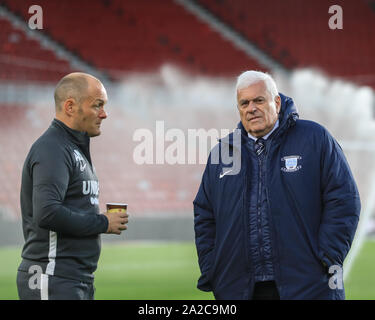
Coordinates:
275	249
259	215
245	210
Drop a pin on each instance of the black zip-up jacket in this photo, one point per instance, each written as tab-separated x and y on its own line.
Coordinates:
59	203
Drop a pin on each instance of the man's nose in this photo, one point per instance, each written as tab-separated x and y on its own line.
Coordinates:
252	107
103	114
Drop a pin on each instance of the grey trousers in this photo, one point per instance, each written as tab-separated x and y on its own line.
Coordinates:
52	288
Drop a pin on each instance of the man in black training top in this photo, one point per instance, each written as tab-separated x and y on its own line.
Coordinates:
59	198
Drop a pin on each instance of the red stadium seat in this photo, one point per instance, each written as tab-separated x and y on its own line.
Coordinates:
124	36
300	36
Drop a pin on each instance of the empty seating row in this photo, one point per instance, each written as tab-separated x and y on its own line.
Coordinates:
130	36
298	34
24	59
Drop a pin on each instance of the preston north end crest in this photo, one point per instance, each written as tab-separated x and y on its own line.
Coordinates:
292	163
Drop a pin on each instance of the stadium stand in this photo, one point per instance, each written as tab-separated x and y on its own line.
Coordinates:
16	132
147	188
136	36
296	33
124	37
125	41
23	59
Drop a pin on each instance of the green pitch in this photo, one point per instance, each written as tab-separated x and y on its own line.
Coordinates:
166	271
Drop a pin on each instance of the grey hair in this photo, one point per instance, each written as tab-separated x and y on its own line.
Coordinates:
248	78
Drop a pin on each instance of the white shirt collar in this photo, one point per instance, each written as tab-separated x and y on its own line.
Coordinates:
268	134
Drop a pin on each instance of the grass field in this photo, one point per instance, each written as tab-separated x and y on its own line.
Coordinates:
164	271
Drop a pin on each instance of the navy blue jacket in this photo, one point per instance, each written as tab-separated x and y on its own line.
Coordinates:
259	227
313	204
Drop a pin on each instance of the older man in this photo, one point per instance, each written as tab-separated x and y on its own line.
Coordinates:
59	198
282	226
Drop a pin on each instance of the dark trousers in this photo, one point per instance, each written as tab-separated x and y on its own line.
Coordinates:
266	290
52	288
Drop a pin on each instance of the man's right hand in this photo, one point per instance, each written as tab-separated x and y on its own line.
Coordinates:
116	222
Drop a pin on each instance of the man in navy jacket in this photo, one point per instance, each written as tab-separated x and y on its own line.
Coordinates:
282	223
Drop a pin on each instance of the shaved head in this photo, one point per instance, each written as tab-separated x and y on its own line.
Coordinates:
79	102
72	86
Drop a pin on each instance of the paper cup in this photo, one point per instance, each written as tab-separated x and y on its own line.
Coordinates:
117	207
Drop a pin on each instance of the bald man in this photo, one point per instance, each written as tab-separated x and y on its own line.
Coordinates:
59	198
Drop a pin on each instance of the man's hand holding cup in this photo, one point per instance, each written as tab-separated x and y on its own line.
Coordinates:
117	217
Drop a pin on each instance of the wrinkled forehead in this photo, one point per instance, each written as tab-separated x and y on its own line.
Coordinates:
254	90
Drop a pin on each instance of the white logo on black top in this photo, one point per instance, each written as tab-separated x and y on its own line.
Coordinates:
91	187
80	160
291	163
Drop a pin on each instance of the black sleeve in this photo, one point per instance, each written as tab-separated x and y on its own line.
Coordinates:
51	169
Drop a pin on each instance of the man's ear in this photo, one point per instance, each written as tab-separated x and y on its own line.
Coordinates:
278	104
68	107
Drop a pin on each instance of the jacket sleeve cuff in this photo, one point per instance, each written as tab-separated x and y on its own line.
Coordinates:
105	223
204	284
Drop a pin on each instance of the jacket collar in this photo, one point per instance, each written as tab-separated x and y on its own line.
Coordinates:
81	139
78	137
288	114
276	125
